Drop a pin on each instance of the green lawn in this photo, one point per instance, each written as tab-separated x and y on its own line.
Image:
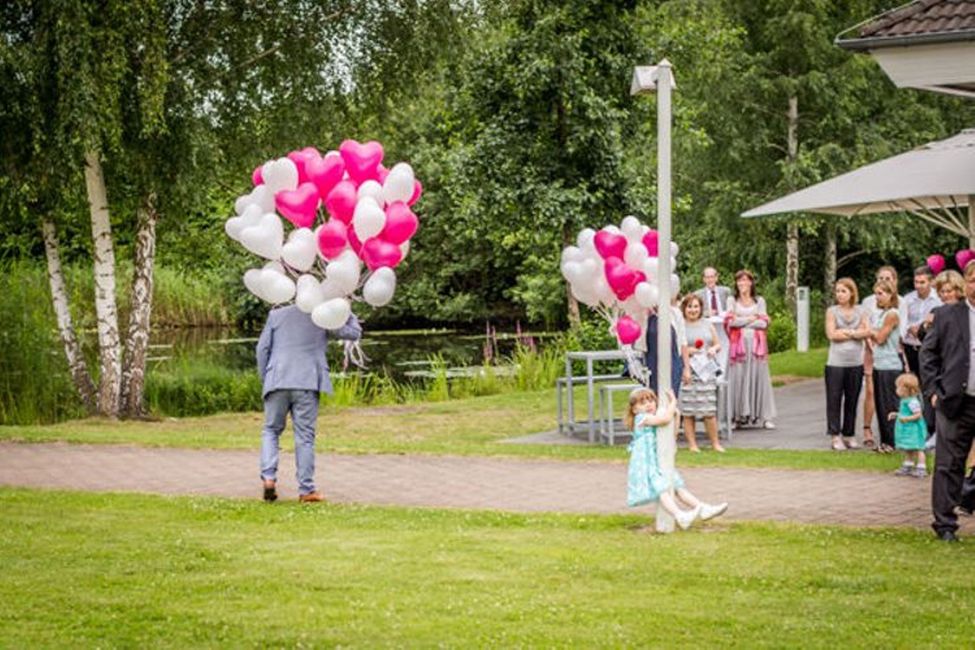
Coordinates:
89	570
797	364
475	426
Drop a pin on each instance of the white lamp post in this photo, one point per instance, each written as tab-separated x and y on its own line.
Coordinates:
660	79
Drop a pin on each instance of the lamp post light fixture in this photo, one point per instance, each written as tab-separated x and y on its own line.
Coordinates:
659	79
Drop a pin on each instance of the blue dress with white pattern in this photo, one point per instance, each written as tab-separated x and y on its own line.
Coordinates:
645	482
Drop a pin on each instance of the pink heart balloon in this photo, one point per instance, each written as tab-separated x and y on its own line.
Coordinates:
257	176
299	206
381	174
963	257
417	192
340	202
377	252
936	263
332	238
301	160
362	160
651	243
621	278
627	330
325	172
401	223
609	245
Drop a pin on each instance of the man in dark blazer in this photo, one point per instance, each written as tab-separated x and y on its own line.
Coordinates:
949	385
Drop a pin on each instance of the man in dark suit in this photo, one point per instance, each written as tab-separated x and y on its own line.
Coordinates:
948	378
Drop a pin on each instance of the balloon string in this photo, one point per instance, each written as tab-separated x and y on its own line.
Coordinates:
354	354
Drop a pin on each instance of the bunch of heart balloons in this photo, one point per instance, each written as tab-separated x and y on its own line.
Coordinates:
347	210
614	271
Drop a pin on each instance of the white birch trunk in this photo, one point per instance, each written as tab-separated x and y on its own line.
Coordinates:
59	298
106	311
792	231
137	341
829	265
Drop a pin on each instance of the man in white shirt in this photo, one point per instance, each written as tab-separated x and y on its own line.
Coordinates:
913	310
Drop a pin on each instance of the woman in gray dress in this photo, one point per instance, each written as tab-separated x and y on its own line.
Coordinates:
749	383
699	390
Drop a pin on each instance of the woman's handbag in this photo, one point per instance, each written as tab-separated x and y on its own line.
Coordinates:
967	501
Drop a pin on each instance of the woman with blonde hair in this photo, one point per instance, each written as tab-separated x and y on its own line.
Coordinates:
887	364
846	329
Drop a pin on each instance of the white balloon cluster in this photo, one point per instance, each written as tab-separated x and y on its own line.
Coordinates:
366	220
615	272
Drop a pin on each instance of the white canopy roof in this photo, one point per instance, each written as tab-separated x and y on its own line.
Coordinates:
933	182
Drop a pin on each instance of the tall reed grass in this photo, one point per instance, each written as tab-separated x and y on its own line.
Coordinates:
34	381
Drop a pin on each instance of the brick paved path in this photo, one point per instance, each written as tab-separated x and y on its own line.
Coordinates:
824	497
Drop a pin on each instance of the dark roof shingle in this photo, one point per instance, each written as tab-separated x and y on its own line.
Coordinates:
923	17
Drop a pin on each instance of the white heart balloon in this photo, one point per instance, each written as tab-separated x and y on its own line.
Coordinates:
674	284
344	273
405	247
275	266
585	239
265	237
571	271
399	183
650	267
633	308
613	229
331	289
647	295
632	228
380	287
332	314
584	295
252	280
635	254
250	217
279	175
308	293
277	288
373	190
368	219
674	249
260	196
572	254
300	251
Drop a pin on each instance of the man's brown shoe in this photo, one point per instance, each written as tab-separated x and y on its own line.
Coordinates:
270	491
311	497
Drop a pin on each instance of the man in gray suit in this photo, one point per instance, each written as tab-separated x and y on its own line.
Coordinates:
714	297
293	368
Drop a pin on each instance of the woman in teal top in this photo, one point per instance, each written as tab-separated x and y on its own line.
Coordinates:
887	364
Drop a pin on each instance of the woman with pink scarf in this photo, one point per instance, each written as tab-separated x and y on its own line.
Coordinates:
749	384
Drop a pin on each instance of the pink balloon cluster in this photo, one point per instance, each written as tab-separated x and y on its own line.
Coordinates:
346	208
614	271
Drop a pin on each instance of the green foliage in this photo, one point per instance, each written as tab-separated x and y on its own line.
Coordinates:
199	387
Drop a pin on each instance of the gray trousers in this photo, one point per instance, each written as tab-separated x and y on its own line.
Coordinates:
303	406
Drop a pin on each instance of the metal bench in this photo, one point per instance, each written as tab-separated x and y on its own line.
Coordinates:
566	424
607	419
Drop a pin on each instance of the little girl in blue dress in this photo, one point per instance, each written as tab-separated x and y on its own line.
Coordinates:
910	430
645	482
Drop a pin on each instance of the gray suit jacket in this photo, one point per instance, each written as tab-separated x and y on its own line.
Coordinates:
723	294
291	351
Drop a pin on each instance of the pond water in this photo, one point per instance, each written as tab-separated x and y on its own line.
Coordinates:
400	354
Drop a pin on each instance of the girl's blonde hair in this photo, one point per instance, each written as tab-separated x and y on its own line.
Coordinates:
635	396
890	290
909	381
